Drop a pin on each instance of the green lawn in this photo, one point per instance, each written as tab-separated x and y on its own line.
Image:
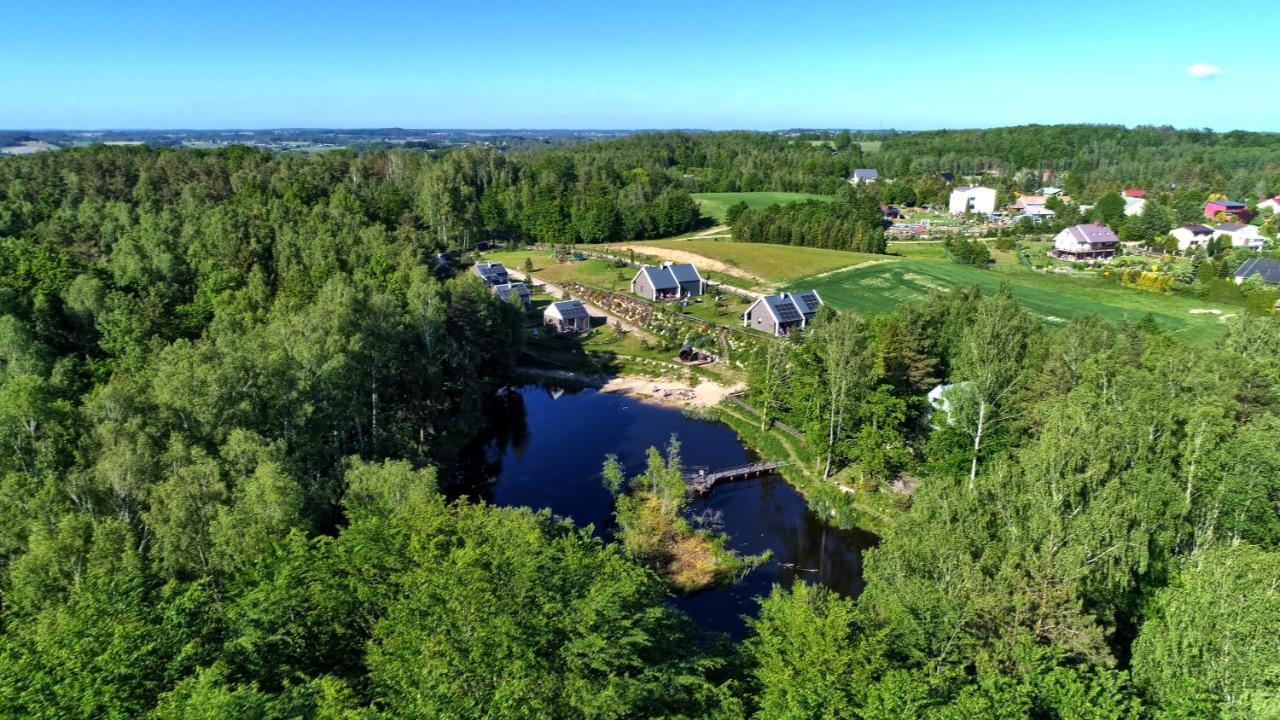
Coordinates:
773	263
1055	299
715	205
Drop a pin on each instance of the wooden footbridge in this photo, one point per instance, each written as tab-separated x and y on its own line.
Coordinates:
701	482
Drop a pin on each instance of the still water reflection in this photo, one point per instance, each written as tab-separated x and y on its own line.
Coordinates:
547	449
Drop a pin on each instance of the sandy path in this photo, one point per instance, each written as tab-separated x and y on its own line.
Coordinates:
863	264
702	261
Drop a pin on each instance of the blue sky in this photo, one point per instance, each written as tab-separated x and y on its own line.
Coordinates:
654	64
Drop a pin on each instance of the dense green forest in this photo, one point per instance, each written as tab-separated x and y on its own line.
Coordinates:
232	386
853	221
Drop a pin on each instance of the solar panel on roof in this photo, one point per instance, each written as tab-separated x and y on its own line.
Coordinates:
786	311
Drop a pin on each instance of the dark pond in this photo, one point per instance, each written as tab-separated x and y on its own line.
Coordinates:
547	450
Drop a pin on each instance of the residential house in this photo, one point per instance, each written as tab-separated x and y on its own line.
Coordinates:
1087	243
492	273
668	281
1189	236
1229	208
1134	205
1268	270
1029	201
567	316
864	175
972	198
1050	191
1271	203
1134	193
517	289
1241	235
780	315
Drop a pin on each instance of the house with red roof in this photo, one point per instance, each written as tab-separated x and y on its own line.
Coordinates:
1134	193
1085	243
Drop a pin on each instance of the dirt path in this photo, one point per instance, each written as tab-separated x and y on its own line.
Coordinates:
719	231
866	263
702	261
610	318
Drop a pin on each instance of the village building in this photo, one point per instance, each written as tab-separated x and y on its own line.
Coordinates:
1085	243
972	198
506	291
780	315
1029	201
1241	235
567	316
1134	205
491	273
1229	208
1191	236
1266	269
864	175
1134	193
668	281
1271	203
1050	191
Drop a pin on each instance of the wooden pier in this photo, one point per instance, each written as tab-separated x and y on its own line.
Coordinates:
701	482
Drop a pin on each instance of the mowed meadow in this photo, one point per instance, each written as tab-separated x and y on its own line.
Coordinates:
716	205
923	270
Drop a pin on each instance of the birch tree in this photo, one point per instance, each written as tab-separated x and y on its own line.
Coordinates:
988	368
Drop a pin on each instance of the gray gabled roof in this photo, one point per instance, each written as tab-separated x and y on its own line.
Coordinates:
1268	270
659	277
684	272
504	291
568	309
866	174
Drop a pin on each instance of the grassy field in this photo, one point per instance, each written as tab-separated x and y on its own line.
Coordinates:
1055	299
773	263
715	205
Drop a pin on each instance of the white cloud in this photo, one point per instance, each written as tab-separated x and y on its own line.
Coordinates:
1204	70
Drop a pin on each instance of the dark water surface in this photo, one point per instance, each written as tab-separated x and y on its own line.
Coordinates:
547	452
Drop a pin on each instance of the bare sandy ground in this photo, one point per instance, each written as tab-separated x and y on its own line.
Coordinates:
671	392
702	261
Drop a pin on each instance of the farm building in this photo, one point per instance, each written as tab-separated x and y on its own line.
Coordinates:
668	281
1229	208
1241	235
518	289
1085	243
864	175
494	273
567	316
972	198
1189	236
1268	270
780	315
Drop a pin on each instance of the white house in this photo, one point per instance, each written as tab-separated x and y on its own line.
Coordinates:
1134	205
864	175
1271	203
1189	236
1085	243
972	198
1241	235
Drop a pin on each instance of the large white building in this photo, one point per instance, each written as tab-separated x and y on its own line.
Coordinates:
972	198
1189	236
1241	235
